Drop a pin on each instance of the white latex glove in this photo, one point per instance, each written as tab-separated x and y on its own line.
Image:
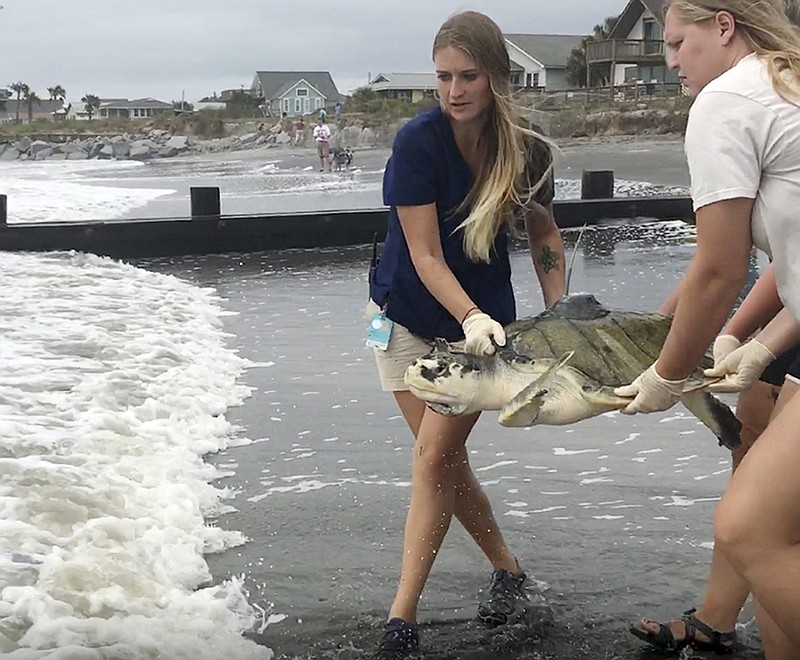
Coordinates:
651	392
741	368
479	330
723	346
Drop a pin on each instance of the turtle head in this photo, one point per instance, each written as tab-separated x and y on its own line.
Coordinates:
449	381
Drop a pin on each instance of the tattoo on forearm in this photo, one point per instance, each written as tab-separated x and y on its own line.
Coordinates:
548	259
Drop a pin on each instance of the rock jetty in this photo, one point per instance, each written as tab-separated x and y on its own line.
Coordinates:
157	143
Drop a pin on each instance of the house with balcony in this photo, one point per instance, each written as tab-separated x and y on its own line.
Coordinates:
414	87
295	92
634	49
539	61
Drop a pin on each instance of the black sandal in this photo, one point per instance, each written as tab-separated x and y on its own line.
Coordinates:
721	642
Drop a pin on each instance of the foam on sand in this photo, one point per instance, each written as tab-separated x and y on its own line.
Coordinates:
114	383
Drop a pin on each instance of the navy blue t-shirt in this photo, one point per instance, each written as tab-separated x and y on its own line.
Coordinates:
426	167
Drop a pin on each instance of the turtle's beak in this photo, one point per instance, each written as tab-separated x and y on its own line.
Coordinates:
446	409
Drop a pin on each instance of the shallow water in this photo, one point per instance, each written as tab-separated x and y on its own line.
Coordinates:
611	516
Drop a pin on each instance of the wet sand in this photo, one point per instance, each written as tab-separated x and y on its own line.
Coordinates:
654	159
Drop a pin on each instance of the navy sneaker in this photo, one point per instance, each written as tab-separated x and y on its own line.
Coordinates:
400	640
506	600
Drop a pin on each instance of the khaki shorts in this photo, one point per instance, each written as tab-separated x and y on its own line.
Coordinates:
403	349
323	149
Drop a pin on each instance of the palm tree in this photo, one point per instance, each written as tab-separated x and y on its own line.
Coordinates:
56	92
576	64
21	89
91	103
30	99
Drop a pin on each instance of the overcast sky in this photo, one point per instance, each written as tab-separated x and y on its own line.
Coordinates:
163	48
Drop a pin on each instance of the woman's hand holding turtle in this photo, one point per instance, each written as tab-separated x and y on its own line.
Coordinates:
740	368
723	346
482	332
651	392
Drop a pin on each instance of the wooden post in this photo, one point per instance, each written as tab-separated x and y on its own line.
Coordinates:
597	184
3	211
588	71
205	201
613	68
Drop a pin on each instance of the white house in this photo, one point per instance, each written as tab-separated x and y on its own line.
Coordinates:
539	61
137	109
212	102
412	87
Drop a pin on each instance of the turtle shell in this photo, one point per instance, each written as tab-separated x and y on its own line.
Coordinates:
610	347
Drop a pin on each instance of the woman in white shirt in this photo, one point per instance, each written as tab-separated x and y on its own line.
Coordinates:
742	61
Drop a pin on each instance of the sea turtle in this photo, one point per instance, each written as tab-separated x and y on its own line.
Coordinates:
560	367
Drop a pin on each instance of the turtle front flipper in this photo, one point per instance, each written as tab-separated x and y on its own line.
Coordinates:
561	395
523	409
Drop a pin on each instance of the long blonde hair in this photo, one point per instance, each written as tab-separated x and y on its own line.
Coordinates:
505	180
765	27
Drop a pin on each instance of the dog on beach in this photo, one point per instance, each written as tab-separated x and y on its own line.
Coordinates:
341	158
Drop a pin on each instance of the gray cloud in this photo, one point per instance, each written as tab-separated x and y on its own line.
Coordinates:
161	49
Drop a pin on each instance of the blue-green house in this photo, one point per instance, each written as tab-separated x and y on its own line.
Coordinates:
295	92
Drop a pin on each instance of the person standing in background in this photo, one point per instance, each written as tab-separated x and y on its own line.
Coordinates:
322	138
299	131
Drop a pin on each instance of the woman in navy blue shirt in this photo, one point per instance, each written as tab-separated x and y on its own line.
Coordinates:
459	178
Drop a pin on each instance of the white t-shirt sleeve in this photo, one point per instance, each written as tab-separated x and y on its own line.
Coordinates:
725	141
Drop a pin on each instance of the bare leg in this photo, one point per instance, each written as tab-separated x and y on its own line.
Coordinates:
432	504
726	591
438	473
757	524
777	646
473	508
474	512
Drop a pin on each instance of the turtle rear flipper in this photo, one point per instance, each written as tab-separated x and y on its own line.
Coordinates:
715	415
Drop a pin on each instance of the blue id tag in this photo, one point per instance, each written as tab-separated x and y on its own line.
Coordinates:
379	331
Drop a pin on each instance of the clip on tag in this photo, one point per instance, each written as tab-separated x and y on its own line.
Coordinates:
379	331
